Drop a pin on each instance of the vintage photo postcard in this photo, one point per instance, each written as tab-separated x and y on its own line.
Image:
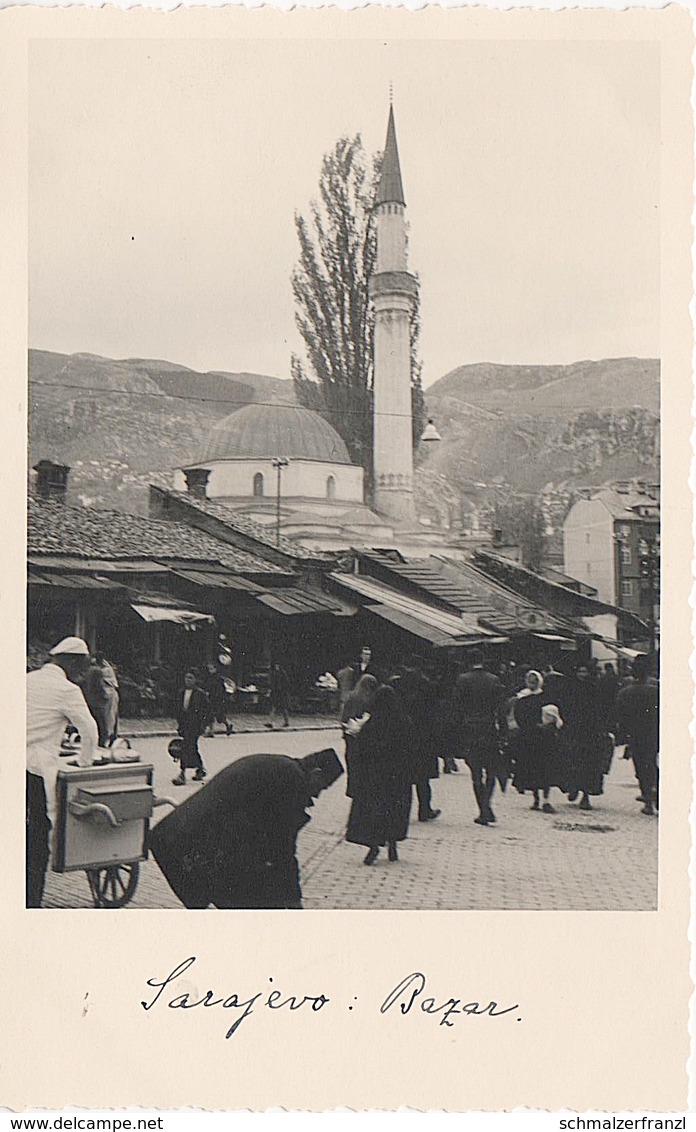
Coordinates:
345	357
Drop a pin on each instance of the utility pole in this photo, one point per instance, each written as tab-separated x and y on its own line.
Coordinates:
279	462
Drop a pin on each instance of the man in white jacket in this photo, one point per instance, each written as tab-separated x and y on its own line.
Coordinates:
53	701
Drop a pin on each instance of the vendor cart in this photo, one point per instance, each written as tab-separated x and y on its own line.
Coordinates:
102	826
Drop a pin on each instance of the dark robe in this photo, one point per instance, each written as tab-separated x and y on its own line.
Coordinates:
588	748
532	746
418	698
233	844
382	776
357	703
638	725
192	722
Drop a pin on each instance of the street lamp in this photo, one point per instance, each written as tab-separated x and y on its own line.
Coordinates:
278	462
430	435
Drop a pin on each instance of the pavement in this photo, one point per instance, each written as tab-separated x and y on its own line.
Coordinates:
603	859
243	725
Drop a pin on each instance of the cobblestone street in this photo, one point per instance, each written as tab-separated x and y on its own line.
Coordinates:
605	859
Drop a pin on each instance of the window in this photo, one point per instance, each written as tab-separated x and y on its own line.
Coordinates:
626	556
331	488
258	485
627	587
587	536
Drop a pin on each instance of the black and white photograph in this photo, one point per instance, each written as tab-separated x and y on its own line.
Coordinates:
343	550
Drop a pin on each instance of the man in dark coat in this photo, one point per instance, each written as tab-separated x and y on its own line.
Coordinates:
638	725
417	695
192	717
234	843
479	711
585	733
365	666
217	701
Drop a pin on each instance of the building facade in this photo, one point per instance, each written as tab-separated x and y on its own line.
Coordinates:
611	541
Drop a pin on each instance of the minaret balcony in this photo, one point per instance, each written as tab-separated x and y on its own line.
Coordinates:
393	283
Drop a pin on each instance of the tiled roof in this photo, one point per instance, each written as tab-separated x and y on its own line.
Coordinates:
90	532
428	579
448	583
568	602
246	526
623	505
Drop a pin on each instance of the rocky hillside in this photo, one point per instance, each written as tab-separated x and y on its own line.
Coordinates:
539	433
529	426
112	421
527	429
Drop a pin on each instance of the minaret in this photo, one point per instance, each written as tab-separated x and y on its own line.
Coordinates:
393	292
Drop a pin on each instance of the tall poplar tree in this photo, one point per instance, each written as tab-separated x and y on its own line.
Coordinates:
338	249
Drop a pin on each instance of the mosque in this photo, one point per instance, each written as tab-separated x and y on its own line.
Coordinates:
285	465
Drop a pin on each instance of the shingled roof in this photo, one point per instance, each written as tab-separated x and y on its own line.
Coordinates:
243	525
90	532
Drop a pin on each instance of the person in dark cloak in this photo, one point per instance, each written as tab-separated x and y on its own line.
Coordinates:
382	785
418	698
586	738
234	843
533	743
638	725
214	686
192	716
607	690
357	706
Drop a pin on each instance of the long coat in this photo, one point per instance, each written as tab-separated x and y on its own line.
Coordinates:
586	738
478	705
417	695
355	707
381	775
192	722
233	844
193	719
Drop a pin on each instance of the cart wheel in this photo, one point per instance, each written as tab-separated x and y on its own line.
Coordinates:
113	886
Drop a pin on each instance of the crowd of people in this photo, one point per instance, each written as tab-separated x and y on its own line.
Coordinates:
540	731
537	731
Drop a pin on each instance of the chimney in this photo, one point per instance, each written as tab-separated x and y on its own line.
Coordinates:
197	482
497	536
52	480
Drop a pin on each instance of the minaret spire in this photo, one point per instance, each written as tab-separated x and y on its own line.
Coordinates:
391	189
393	291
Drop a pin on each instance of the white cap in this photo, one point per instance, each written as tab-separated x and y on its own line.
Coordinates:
74	645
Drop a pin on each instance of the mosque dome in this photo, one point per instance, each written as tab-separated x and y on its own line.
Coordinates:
264	431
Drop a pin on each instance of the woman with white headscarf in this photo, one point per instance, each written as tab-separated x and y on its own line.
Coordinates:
535	740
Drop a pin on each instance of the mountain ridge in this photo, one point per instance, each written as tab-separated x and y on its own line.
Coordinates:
519	427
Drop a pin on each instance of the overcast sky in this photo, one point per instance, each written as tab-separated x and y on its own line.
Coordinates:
164	176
